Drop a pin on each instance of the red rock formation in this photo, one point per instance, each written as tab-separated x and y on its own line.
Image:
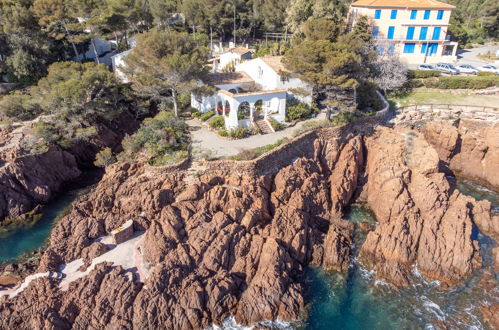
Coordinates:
421	220
28	180
471	148
235	245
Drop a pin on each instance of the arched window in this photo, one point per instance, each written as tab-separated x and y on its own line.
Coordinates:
244	111
257	112
220	108
227	108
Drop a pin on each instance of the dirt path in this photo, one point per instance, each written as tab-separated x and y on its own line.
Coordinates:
204	140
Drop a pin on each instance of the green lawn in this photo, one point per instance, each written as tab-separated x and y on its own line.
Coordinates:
433	97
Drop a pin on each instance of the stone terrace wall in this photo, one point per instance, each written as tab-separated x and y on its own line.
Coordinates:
301	146
416	113
269	162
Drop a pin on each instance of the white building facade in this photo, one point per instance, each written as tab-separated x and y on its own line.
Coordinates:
413	30
257	91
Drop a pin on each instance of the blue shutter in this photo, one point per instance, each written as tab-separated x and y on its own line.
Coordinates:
414	14
410	33
424	47
427	14
423	33
436	33
380	50
409	48
377	14
391	32
440	14
433	49
394	14
375	32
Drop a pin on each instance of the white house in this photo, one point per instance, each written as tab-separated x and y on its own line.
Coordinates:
118	61
234	56
257	91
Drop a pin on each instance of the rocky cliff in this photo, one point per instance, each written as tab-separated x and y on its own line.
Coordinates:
29	179
223	244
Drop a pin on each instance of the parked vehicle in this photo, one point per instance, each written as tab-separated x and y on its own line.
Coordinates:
466	68
425	67
447	68
489	68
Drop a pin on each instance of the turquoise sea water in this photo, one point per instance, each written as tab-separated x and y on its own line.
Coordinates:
357	301
351	302
17	241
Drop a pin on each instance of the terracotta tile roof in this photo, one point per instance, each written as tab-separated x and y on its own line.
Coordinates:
223	78
275	62
239	50
403	3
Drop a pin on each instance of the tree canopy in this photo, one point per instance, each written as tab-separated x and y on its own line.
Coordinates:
165	64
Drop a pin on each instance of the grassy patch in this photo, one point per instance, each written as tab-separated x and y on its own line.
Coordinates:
427	98
249	154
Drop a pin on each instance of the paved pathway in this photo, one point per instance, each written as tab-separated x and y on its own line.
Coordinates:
127	254
209	143
469	56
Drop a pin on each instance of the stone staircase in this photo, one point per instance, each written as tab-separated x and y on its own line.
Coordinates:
264	127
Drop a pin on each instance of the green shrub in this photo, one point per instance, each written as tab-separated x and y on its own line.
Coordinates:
207	115
217	122
223	132
449	82
19	106
277	126
297	110
104	158
343	118
415	74
249	154
239	133
485	74
159	139
195	112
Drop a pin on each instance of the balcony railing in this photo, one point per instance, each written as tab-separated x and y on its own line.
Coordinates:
404	39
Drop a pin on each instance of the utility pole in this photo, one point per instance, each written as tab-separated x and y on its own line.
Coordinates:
211	40
234	2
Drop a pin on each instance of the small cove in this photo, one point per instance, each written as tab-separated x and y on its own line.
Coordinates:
358	301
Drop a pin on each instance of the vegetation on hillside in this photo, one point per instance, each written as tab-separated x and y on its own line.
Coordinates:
70	100
161	140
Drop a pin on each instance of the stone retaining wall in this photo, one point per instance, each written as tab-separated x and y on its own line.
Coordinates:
301	146
416	113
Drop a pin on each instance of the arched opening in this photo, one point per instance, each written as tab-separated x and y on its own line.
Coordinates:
244	111
258	114
227	108
233	91
220	108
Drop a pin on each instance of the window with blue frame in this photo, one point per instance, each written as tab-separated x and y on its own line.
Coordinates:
423	33
410	33
391	32
414	14
375	32
393	15
440	14
377	14
427	14
409	48
424	47
436	33
380	50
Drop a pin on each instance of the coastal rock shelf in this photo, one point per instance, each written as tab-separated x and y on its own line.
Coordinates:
234	245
